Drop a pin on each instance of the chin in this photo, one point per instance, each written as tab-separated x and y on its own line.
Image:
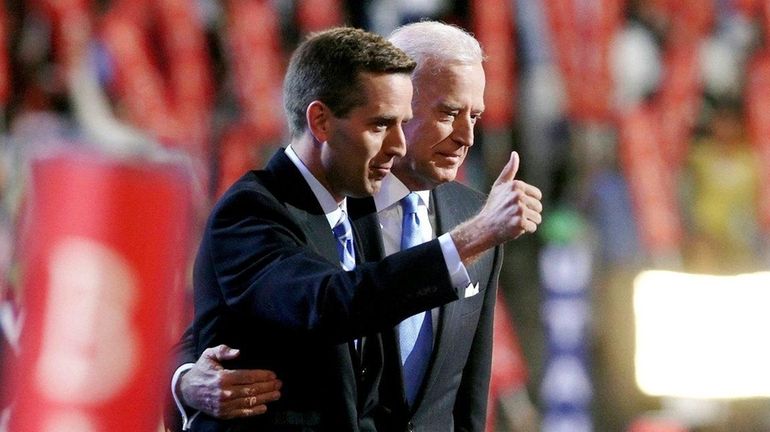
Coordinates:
445	176
373	189
369	189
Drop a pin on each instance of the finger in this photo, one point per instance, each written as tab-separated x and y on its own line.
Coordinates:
262	398
534	218
247	406
249	376
221	352
243	411
509	170
527	189
532	191
243	391
531	209
253	403
532	204
531	227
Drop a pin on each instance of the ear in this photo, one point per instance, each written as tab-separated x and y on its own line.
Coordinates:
317	116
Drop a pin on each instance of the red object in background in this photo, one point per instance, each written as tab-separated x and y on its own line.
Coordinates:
253	37
678	101
104	249
164	80
651	182
139	86
656	425
582	34
749	8
509	371
239	151
5	69
493	24
758	116
317	15
190	80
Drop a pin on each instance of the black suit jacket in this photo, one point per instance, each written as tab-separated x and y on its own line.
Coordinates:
455	390
267	280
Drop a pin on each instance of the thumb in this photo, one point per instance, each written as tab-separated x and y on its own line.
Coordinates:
510	169
223	352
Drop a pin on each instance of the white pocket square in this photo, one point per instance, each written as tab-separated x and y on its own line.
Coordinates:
471	290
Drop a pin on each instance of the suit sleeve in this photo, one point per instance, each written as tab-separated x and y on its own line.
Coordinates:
183	353
184	350
259	259
470	408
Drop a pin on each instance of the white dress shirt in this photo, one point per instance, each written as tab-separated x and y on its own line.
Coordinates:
390	216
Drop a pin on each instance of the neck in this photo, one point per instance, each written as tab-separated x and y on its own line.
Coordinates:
309	152
412	181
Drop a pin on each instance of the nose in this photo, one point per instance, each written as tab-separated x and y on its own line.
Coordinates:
462	132
395	143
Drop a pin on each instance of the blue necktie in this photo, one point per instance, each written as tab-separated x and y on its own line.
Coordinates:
344	234
416	332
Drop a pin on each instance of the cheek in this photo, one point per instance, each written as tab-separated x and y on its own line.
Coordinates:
373	147
368	150
425	137
439	133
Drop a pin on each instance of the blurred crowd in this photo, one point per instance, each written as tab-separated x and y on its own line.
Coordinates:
644	122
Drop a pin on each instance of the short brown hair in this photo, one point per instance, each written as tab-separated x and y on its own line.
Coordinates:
326	67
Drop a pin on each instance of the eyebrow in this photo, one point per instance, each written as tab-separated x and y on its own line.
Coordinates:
390	119
445	106
449	106
382	118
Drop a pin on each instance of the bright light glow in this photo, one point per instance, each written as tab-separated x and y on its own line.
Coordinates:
702	336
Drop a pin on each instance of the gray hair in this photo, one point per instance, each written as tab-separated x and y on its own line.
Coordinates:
435	44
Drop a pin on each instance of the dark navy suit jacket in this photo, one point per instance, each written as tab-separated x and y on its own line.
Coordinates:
267	280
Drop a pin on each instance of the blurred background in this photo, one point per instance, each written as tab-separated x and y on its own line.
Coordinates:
646	124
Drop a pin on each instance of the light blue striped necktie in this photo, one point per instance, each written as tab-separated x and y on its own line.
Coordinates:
344	234
416	332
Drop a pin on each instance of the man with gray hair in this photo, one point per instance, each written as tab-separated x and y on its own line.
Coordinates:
447	387
437	363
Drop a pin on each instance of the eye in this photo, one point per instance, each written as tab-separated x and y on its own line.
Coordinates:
381	125
449	115
475	118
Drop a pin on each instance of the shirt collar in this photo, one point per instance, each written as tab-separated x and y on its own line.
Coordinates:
331	209
393	190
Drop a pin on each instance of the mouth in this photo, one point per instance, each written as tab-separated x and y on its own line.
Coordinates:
451	157
380	171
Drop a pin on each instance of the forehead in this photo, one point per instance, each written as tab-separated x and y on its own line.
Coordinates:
455	83
386	93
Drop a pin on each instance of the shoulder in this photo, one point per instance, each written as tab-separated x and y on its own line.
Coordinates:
253	190
456	190
251	182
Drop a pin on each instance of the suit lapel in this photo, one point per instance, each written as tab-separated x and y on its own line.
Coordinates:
302	204
366	227
363	213
294	191
319	233
449	212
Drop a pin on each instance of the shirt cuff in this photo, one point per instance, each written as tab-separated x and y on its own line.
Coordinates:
457	272
186	420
